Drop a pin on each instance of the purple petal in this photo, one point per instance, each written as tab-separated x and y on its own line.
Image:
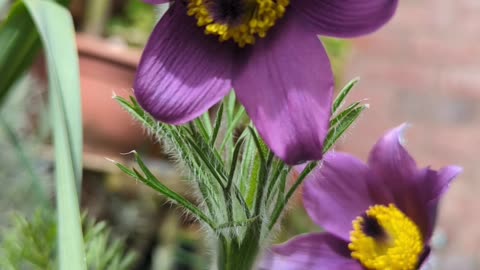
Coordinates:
345	18
311	251
183	72
432	186
391	162
416	192
338	192
440	182
390	159
285	83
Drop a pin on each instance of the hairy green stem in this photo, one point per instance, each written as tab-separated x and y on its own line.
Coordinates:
235	254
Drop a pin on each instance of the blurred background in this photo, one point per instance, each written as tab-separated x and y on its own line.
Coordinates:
422	68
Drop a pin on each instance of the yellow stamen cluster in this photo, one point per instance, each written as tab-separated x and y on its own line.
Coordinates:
399	249
256	22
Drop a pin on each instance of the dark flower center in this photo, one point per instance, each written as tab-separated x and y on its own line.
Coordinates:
372	228
228	11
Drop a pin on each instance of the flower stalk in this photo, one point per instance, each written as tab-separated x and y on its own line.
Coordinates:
233	254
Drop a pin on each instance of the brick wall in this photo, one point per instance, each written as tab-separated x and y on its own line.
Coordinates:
424	68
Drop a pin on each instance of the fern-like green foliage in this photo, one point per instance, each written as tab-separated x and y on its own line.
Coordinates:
103	251
31	244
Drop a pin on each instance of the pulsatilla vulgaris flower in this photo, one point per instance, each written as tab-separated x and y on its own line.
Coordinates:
266	50
377	216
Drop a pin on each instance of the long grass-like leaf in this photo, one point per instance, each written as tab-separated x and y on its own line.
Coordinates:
19	44
55	26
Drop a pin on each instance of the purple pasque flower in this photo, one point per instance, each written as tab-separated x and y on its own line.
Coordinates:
376	216
267	50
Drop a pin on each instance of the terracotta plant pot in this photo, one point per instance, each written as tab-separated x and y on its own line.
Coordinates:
107	69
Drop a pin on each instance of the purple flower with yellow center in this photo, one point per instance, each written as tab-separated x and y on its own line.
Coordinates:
266	50
376	216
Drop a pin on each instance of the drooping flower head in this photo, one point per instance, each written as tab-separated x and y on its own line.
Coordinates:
377	216
266	50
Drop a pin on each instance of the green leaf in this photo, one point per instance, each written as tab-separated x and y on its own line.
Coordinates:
341	116
233	120
338	130
265	164
258	144
339	100
55	26
282	203
19	45
202	123
177	137
233	166
237	118
206	123
278	168
250	168
150	180
218	124
216	172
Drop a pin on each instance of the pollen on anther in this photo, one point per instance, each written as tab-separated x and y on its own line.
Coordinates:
385	238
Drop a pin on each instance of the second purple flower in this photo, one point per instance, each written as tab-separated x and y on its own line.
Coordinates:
267	50
376	216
